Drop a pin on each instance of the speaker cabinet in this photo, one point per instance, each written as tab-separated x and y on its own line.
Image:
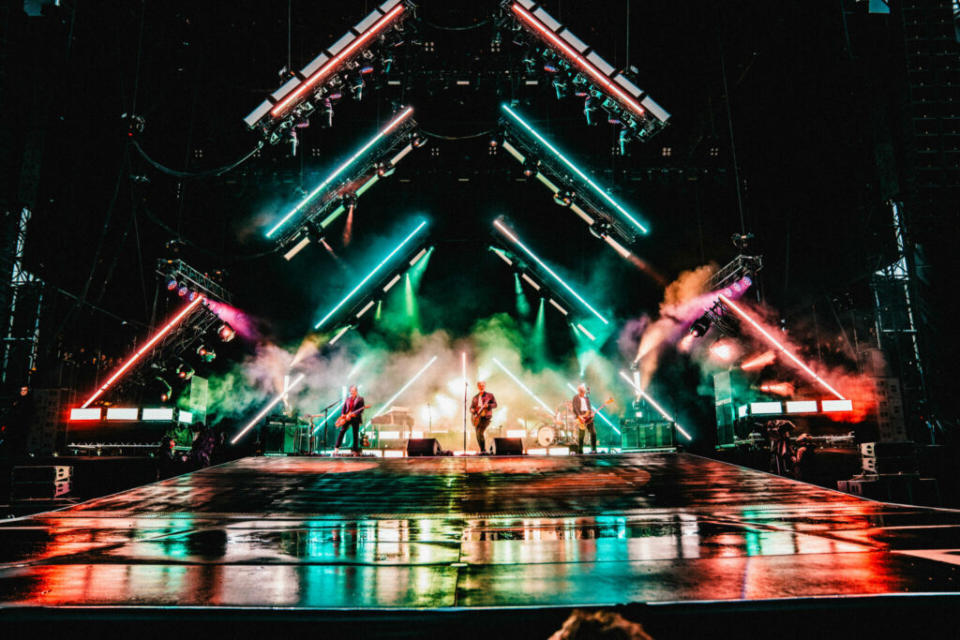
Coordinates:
423	447
508	446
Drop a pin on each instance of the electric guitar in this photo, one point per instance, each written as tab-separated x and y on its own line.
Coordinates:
583	420
478	413
346	417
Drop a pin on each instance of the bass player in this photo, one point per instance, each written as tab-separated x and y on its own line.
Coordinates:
481	408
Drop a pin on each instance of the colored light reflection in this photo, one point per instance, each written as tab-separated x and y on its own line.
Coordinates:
593	185
505	231
371	274
403	115
773	341
142	350
655	405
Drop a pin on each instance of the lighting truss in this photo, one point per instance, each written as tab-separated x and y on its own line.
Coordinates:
157	337
567	182
351	179
522	386
653	403
775	343
581	69
328	75
287	389
741	267
378	270
185	274
520	266
600	413
500	226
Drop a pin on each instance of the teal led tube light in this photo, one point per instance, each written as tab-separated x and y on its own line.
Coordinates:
386	405
403	115
503	229
523	386
370	275
602	193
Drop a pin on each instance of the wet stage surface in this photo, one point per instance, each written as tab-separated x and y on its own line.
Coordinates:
474	532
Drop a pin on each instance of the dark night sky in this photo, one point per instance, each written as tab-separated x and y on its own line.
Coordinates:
798	103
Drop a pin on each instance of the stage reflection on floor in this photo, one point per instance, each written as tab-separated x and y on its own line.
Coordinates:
449	532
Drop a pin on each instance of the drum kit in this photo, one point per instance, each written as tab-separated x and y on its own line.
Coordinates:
561	429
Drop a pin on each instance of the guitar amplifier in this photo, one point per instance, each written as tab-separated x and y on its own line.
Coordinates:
281	435
647	435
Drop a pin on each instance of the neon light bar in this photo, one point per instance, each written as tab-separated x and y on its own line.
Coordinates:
339	335
516	433
186	417
336	60
297	248
403	115
603	194
335	414
801	406
574	56
122	413
370	275
836	405
392	282
531	281
418	256
160	413
267	408
756	325
85	414
499	225
600	413
765	408
386	405
366	308
587	333
389	435
503	256
523	386
559	308
142	350
656	406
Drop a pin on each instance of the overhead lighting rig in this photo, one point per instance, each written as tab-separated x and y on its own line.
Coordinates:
573	67
343	68
570	185
178	275
338	192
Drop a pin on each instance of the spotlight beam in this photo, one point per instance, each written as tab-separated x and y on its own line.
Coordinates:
370	275
654	404
142	350
599	412
601	192
773	341
503	229
267	408
403	115
386	405
522	386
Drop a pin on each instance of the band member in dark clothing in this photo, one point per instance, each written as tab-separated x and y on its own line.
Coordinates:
481	408
583	411
351	416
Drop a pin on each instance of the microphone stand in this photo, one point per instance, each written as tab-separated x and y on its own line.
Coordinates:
326	416
465	387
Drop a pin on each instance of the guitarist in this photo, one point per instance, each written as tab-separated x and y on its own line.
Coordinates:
481	408
351	416
583	411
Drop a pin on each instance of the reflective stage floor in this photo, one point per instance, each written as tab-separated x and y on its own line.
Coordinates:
666	530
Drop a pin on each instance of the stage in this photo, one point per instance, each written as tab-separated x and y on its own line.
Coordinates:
462	536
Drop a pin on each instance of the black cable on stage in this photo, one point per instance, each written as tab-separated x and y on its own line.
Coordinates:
442	28
470	136
196	174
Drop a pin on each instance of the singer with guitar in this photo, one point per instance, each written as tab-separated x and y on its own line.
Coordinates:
584	412
351	416
481	408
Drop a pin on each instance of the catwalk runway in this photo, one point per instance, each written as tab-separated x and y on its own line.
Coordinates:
324	534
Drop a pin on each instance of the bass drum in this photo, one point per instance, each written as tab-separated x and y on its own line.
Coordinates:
546	436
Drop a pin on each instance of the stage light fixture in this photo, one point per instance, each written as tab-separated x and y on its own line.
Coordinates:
530	168
226	332
775	343
183	290
206	353
172	284
505	231
142	350
393	124
270	406
700	327
370	275
654	404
